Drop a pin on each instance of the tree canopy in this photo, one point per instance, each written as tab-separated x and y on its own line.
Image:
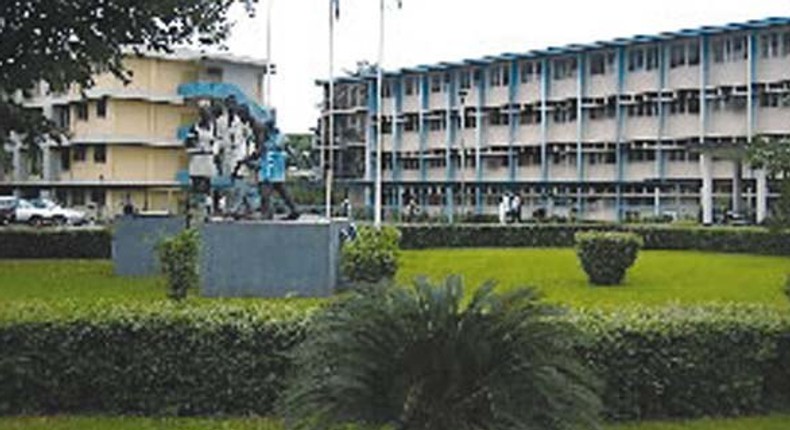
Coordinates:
66	42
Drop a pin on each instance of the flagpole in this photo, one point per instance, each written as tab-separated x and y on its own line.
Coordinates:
268	74
379	119
329	169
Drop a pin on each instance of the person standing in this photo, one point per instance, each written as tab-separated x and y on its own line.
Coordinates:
515	208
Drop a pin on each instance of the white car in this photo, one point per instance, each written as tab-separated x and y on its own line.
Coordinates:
42	211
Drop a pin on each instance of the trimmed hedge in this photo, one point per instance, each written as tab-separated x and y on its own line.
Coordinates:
166	359
158	360
47	243
715	239
97	243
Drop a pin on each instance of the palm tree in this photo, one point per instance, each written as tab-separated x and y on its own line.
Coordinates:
421	359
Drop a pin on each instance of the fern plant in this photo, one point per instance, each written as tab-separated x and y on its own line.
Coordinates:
427	358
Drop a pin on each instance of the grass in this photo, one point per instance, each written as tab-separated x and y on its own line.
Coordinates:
658	278
776	422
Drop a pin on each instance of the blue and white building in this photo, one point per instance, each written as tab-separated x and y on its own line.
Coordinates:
639	126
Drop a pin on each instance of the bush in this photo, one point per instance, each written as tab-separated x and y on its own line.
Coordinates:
145	359
168	359
372	256
749	240
178	258
605	256
424	359
723	360
51	243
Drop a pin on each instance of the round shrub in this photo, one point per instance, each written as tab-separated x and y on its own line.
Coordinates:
179	256
372	256
605	256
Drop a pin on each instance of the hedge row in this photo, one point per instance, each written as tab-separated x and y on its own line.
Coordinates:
190	361
715	239
165	360
55	243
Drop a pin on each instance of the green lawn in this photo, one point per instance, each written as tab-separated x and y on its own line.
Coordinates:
659	277
778	422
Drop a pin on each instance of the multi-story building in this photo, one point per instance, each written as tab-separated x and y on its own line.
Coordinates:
125	140
646	125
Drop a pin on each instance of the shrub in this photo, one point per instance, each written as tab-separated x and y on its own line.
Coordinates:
714	239
50	243
145	359
372	256
422	359
178	259
605	256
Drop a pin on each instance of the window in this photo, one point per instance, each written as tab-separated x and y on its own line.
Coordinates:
496	76
436	83
526	71
100	154
786	43
636	59
738	50
82	111
78	198
101	107
651	58
65	159
505	70
79	152
717	47
214	74
99	197
387	90
598	64
693	53
466	82
769	45
477	76
677	55
564	69
409	86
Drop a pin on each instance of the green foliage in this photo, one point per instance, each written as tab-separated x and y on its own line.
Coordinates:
220	359
179	261
70	42
372	256
750	240
689	362
145	359
55	243
773	155
420	359
605	256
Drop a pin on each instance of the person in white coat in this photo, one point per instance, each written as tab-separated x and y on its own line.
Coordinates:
504	208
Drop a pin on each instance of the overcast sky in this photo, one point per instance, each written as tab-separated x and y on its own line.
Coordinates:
430	31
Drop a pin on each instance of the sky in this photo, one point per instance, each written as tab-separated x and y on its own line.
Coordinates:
431	31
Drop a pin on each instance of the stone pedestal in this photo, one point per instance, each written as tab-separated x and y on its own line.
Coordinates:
270	259
242	259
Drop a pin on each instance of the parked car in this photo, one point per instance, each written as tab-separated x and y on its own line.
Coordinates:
43	211
7	209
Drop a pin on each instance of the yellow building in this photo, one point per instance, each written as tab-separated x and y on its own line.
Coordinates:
125	140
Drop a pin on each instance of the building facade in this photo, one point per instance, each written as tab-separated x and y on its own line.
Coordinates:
125	141
635	127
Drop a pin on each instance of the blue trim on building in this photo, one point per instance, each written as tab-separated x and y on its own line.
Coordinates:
753	67
581	91
370	146
513	85
544	119
449	140
481	98
620	156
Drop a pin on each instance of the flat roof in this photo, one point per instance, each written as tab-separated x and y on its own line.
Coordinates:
577	48
189	54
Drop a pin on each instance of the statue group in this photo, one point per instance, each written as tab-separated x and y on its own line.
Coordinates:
236	163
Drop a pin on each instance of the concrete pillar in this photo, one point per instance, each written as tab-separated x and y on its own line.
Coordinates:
657	201
46	161
706	193
737	186
16	157
762	194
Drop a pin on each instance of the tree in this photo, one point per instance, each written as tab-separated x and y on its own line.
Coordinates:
67	42
422	359
773	155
